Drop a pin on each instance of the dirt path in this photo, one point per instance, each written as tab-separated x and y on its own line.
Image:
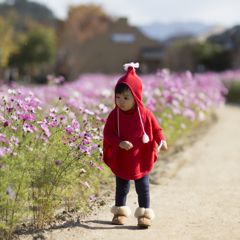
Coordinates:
202	201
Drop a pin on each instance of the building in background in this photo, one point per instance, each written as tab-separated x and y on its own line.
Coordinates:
120	44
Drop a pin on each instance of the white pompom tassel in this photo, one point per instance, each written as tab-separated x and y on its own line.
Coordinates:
145	138
132	64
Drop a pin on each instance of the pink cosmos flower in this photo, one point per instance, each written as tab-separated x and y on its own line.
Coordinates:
35	128
49	77
103	108
57	80
13	128
100	119
68	129
89	112
14	118
45	129
27	128
100	150
189	114
99	167
82	148
176	111
91	163
54	124
169	98
9	108
53	110
97	138
94	147
10	191
75	124
159	120
20	92
61	78
84	161
93	199
14	140
2	152
7	123
72	145
183	126
25	117
24	106
87	184
44	138
80	135
29	149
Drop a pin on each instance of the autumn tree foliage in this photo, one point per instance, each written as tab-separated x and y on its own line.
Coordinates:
84	22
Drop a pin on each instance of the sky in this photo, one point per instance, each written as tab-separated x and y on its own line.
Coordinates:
143	12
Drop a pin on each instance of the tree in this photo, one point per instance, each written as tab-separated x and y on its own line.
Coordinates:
211	56
37	49
6	42
179	55
84	22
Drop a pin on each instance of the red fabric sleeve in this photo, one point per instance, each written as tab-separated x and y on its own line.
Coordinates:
156	129
108	133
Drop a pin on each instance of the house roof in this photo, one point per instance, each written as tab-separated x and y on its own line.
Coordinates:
121	43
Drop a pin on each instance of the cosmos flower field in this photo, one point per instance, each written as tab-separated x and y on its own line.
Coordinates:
51	136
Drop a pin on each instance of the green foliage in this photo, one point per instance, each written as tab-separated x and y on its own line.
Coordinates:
36	47
42	174
211	56
207	50
6	41
234	92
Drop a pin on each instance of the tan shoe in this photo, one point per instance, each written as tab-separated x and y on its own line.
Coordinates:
118	220
144	222
144	216
120	214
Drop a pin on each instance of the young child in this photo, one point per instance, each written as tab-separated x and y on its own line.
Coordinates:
129	146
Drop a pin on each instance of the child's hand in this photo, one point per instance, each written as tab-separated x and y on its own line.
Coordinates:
162	146
126	145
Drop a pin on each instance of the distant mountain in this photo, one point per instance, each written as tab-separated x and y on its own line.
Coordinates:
28	11
162	32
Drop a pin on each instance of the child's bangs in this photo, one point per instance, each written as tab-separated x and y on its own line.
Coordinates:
121	88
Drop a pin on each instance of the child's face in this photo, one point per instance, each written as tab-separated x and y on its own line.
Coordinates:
125	101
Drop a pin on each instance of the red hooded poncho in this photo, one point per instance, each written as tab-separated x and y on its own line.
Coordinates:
138	161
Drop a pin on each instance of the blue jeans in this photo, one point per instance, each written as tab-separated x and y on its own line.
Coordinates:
142	189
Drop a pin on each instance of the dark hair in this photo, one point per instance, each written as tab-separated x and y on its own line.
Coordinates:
121	88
